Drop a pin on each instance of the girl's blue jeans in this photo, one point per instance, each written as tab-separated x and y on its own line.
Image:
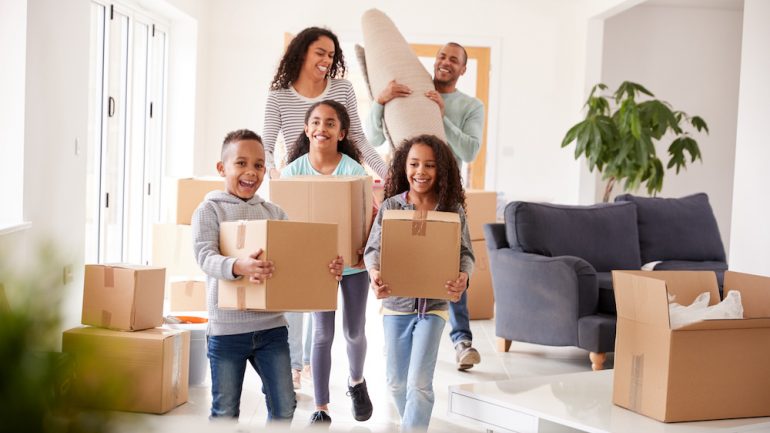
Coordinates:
412	348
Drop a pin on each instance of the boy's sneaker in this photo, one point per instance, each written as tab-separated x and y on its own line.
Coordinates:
466	356
307	372
362	406
296	378
320	417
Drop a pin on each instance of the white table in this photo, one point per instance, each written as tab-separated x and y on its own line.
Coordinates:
577	402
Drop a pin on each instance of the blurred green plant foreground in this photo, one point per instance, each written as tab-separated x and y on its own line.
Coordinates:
36	380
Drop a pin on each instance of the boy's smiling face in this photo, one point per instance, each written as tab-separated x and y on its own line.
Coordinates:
243	167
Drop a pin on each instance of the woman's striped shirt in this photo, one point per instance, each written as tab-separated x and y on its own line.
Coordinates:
285	113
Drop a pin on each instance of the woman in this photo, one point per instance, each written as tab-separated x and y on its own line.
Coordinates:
310	71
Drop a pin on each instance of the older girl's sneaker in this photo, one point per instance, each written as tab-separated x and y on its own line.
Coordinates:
320	417
362	406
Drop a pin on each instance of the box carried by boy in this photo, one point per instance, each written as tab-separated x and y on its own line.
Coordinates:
301	253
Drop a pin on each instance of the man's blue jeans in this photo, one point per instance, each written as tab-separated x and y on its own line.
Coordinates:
412	348
268	353
459	320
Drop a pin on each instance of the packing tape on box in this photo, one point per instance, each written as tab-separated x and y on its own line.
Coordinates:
240	295
106	318
419	222
176	371
109	277
637	379
241	236
189	287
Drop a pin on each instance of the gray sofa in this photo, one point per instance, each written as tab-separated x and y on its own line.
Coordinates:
551	264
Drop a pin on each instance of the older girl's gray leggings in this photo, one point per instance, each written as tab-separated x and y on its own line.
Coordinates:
355	290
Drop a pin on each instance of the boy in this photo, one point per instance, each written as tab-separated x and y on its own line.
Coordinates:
235	337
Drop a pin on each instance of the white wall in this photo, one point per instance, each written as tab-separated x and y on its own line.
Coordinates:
56	115
750	229
13	38
540	45
690	57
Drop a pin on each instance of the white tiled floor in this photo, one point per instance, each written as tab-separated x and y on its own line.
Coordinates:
522	360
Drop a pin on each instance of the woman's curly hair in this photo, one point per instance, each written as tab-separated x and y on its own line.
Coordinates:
448	184
294	57
302	145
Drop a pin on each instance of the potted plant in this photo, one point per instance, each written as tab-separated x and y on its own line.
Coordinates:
36	379
619	139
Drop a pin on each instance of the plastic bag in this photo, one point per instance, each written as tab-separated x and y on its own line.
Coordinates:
681	315
730	308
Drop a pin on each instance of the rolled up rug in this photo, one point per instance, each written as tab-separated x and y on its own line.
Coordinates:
389	57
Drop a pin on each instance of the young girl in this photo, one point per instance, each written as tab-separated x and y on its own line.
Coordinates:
423	176
310	71
324	149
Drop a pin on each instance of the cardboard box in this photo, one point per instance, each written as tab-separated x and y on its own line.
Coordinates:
420	252
342	200
481	297
190	193
172	249
481	208
301	253
144	371
713	369
187	296
123	297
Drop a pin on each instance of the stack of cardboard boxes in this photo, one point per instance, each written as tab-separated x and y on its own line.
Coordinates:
172	246
122	350
481	209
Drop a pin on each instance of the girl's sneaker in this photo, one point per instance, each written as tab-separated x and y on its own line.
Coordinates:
362	405
320	417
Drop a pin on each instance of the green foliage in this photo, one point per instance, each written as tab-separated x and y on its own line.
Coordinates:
621	143
35	380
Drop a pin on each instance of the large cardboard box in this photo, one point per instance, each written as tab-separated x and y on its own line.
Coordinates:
187	295
301	253
124	297
481	297
144	371
712	369
481	208
420	252
190	193
342	200
172	249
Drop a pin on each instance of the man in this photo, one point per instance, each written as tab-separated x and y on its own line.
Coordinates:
463	118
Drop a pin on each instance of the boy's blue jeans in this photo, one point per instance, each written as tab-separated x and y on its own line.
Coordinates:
412	348
268	353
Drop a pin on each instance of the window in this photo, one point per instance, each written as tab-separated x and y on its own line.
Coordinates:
128	57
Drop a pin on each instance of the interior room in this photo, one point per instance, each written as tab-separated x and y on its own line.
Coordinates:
188	71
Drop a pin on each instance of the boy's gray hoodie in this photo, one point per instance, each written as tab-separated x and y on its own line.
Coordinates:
220	206
372	258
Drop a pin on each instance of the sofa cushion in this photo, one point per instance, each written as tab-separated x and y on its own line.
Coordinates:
604	235
677	228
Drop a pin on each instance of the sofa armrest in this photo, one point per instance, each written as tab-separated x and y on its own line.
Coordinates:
494	233
539	299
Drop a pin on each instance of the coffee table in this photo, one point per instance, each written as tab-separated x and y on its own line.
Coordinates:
577	402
